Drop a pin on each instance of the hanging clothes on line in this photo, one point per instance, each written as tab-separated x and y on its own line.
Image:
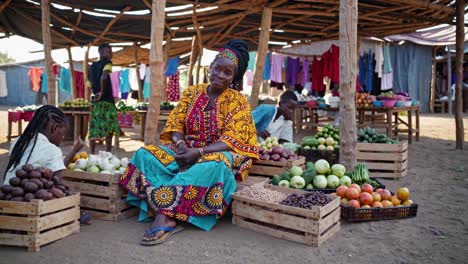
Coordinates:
305	71
387	76
3	85
267	67
172	65
146	84
80	84
277	61
292	70
252	58
35	78
64	82
173	94
317	74
124	81
379	59
44	83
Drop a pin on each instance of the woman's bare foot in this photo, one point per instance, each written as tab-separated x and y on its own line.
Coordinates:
159	220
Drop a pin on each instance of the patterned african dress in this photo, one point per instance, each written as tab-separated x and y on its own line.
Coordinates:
201	194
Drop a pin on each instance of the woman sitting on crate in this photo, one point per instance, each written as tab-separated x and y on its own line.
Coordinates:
209	145
276	121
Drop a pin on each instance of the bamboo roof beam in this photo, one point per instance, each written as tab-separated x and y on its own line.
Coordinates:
229	30
58	34
4	5
110	24
78	20
287	22
303	12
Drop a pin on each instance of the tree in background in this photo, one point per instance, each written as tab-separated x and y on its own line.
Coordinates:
5	59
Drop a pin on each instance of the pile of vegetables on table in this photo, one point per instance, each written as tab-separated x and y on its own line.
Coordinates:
123	107
323	176
26	108
369	135
271	150
104	162
34	183
75	103
326	139
306	200
366	197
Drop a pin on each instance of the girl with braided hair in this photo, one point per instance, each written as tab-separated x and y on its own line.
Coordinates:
39	143
210	141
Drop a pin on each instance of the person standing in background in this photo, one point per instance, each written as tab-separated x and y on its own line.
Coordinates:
103	123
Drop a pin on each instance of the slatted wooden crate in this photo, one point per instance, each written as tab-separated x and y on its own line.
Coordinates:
384	160
311	227
101	195
269	168
36	223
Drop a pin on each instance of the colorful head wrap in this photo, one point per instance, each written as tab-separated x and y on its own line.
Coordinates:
237	51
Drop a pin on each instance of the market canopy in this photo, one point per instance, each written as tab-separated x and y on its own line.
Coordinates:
80	23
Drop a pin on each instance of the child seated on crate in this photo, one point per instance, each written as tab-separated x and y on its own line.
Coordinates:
39	143
276	121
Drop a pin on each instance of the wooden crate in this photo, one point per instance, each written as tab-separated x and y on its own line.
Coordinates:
268	168
384	160
101	195
251	180
310	227
36	223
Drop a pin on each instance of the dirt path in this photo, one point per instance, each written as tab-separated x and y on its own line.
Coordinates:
439	234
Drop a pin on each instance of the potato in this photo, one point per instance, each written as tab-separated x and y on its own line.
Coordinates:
44	181
50	184
28	167
2	195
49	196
61	187
38	182
20	173
17	192
57	192
31	187
8	197
57	180
6	188
48	174
28	197
18	199
15	181
41	194
23	182
34	175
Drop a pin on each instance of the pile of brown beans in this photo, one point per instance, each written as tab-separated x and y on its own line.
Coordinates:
306	200
260	193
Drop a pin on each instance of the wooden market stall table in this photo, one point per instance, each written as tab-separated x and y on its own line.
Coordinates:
366	116
17	117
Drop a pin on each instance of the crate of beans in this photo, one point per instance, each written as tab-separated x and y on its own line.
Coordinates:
305	217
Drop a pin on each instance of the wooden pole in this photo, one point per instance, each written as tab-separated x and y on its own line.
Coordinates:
156	64
193	58
72	73
348	72
261	55
47	42
433	79
137	68
167	49
460	39
449	80
85	74
197	73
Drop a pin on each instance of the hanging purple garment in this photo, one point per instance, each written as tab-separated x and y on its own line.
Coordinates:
292	70
305	71
276	68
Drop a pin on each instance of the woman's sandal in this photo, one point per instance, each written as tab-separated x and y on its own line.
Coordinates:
169	231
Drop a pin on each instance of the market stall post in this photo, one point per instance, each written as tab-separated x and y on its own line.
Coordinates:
137	69
193	58
199	41
167	48
449	80
348	72
433	79
85	74
157	74
72	73
460	39
46	40
261	55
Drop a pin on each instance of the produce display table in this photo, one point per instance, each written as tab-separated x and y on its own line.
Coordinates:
366	116
19	117
163	116
81	120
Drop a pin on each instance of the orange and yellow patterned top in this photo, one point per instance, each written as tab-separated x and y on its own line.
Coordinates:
229	120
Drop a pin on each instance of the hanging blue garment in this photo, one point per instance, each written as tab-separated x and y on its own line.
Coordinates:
267	67
369	72
64	82
124	81
251	65
387	63
362	70
172	65
44	83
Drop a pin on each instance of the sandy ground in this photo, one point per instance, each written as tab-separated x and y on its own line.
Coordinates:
439	234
